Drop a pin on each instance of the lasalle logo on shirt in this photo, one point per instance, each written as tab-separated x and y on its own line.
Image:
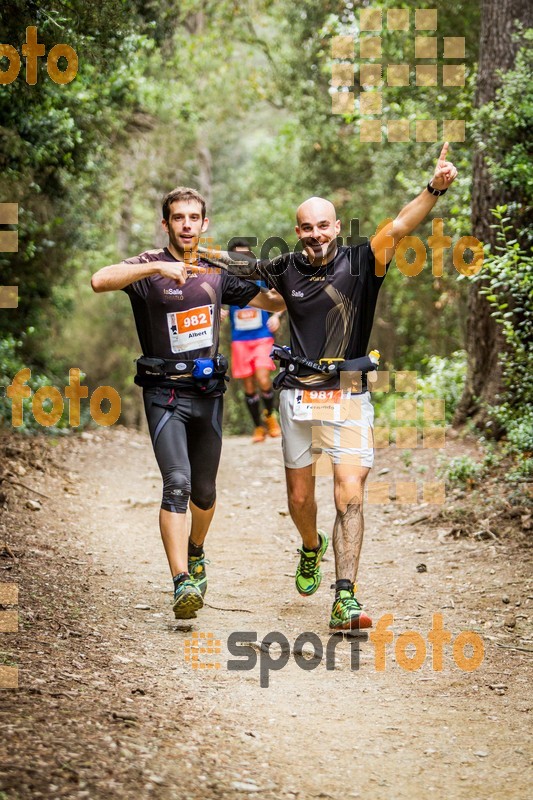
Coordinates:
297	294
174	292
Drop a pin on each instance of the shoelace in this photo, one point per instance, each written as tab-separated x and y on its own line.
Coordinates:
309	563
351	603
199	561
349	600
187	583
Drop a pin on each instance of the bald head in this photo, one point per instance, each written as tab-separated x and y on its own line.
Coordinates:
317	208
317	228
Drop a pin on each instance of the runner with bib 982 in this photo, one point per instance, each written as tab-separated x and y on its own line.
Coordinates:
176	306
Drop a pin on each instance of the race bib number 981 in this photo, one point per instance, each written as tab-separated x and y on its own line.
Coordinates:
321	404
192	329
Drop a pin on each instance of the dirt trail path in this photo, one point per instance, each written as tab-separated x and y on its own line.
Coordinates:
110	707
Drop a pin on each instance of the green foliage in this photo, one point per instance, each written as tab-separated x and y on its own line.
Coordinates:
509	290
444	379
520	445
11	362
462	470
520	433
510	293
234	99
407	458
503	128
7	661
57	142
237	421
439	378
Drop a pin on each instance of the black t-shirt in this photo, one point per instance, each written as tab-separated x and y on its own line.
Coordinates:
331	308
183	321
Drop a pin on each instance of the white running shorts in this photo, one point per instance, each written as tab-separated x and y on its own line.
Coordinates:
335	423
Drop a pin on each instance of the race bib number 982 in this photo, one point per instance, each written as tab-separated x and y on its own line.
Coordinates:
192	329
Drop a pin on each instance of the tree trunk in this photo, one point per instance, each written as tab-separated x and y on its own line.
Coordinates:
484	341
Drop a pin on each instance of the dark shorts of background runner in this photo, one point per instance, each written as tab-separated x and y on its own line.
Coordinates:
186	435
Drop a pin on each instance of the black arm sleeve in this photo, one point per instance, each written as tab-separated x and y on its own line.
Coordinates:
236	291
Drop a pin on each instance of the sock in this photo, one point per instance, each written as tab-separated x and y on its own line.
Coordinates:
312	549
268	401
343	585
252	401
179	578
195	550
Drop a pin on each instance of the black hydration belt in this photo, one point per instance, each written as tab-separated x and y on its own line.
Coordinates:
206	374
296	366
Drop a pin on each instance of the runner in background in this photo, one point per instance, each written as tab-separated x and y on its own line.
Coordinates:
252	337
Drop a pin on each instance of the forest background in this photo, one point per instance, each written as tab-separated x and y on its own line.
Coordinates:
235	99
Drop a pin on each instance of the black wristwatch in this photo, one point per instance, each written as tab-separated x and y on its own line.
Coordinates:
435	192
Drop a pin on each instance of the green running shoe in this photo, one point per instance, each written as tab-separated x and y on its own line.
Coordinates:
198	573
187	600
308	574
347	613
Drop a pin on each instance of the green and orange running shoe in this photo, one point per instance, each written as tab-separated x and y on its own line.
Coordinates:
308	572
347	613
197	572
187	600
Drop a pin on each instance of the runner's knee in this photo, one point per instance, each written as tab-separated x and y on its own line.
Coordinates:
349	493
176	491
248	385
264	383
299	500
205	498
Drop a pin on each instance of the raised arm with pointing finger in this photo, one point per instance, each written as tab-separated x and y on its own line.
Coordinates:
326	417
384	243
